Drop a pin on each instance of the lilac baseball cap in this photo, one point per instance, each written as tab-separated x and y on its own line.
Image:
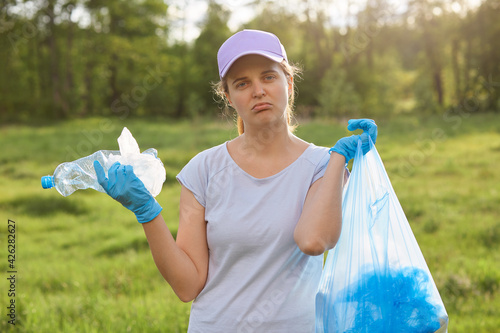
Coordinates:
249	42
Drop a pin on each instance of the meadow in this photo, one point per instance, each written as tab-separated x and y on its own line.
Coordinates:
83	264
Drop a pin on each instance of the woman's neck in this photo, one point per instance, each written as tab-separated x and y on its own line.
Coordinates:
269	141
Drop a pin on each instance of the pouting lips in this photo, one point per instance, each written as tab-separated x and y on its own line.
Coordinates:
261	106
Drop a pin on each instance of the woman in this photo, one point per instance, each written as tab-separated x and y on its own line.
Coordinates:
256	212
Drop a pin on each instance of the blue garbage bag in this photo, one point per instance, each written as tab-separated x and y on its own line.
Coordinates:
376	279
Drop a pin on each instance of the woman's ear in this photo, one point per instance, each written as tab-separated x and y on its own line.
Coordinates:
290	85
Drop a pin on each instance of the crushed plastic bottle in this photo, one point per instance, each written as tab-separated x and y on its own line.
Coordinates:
80	174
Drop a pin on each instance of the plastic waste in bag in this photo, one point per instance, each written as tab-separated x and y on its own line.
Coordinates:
80	174
376	279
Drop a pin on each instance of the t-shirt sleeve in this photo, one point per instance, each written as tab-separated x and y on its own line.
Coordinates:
321	166
194	177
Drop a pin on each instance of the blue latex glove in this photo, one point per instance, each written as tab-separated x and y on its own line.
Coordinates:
126	188
347	146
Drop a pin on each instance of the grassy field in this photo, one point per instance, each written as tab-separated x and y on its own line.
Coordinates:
83	263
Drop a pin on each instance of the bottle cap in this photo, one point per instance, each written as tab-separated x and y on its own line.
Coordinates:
48	181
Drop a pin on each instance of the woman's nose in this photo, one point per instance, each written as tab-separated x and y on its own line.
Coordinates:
258	90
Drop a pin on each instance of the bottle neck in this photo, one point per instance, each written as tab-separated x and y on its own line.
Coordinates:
48	182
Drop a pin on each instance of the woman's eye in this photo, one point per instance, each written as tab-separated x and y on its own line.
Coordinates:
241	85
269	77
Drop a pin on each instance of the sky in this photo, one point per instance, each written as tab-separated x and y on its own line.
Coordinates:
193	12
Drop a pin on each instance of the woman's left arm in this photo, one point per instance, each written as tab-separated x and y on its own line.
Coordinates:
320	223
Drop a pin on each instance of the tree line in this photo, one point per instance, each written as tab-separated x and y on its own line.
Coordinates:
426	56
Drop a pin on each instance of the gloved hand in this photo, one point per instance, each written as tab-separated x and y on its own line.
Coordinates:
126	188
347	146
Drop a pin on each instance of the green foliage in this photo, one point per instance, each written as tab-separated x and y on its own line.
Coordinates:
424	98
213	34
84	264
338	96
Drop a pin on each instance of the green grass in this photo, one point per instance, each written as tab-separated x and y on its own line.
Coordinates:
84	265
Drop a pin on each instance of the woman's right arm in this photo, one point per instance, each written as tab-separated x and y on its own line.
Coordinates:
182	262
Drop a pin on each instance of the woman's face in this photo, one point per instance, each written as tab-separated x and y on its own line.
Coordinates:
258	89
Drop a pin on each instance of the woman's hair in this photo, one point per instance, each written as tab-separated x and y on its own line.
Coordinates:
221	89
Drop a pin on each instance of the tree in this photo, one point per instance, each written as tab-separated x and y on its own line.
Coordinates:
485	93
204	54
338	96
130	29
431	36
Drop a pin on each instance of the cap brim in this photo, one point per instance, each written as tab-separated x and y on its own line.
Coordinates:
273	56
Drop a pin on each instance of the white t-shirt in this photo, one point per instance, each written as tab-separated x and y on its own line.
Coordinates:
258	279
